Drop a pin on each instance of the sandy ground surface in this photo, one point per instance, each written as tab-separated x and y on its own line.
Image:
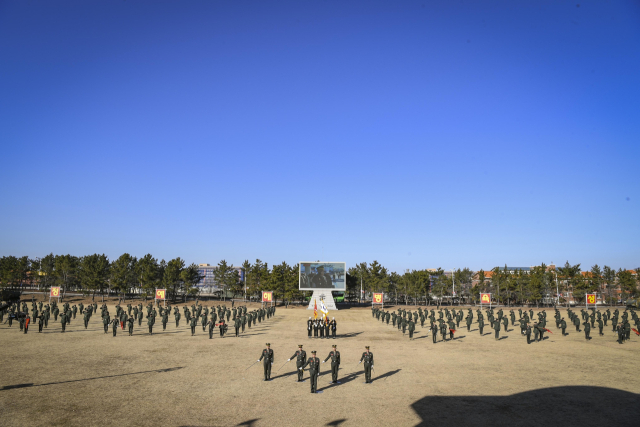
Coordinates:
85	377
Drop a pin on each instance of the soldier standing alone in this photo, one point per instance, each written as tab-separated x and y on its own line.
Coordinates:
496	327
130	322
335	363
301	359
367	357
114	326
267	358
412	327
314	370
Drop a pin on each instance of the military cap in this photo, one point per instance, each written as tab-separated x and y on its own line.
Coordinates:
300	345
313	352
268	344
366	346
334	346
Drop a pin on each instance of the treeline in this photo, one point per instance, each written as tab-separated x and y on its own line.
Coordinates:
96	274
540	285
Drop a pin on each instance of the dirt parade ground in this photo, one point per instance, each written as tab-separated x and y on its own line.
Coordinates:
86	377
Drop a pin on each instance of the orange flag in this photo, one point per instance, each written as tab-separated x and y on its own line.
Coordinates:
315	309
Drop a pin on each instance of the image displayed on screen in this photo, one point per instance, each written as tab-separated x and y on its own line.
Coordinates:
323	275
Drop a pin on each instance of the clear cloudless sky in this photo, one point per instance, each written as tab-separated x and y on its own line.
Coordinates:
417	133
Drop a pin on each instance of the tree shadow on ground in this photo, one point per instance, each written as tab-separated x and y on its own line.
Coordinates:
569	405
27	385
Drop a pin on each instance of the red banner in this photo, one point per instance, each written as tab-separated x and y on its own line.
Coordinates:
161	293
377	298
485	298
591	298
55	291
267	296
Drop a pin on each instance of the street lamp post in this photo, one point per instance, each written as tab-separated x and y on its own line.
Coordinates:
557	290
453	281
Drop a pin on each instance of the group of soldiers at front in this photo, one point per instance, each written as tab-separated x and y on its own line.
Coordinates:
313	362
448	321
240	316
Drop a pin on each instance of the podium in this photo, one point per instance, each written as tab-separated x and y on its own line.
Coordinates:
324	295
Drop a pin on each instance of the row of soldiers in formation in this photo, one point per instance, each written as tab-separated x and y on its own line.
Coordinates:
449	321
41	312
300	356
322	327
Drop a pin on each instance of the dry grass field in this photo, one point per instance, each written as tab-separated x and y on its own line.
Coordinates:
86	378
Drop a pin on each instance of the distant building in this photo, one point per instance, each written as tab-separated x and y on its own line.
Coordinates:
207	284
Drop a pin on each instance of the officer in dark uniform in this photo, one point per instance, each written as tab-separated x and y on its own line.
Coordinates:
528	333
309	327
334	326
114	326
412	327
434	332
367	357
563	326
222	326
496	327
150	323
236	325
165	319
211	324
620	331
327	327
587	330
443	329
130	322
301	358
267	358
106	321
335	363
314	370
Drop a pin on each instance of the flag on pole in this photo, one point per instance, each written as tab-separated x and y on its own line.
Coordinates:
323	309
315	309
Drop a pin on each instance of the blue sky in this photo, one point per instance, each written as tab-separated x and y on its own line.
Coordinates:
419	134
